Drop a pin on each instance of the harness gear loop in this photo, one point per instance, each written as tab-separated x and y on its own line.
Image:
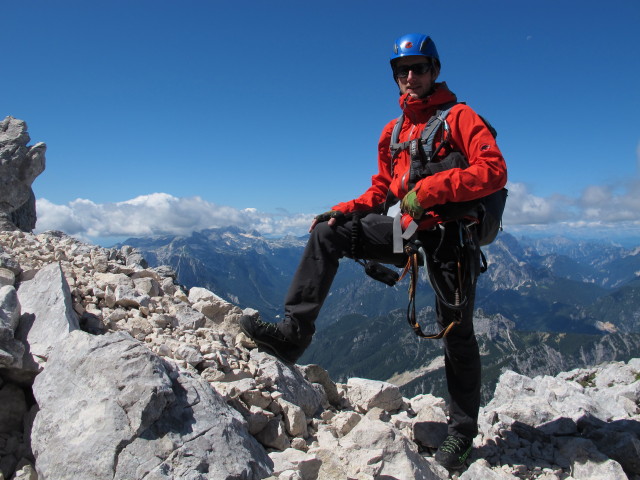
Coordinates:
465	264
466	273
412	266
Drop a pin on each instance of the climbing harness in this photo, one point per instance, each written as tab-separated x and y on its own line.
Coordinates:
465	276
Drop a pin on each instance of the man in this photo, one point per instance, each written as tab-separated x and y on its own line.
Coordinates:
416	65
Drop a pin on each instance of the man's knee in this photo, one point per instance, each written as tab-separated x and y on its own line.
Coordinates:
322	231
334	237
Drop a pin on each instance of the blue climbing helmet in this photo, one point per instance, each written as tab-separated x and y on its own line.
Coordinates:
415	44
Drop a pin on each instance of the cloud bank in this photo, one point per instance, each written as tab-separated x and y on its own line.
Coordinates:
602	204
597	208
159	214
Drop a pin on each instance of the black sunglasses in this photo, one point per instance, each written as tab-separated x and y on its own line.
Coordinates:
402	71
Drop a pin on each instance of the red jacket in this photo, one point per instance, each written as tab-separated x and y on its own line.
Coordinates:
487	171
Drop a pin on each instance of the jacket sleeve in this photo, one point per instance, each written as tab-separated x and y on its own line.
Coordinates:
376	194
487	171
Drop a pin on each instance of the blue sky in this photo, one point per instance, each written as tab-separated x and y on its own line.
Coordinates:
164	116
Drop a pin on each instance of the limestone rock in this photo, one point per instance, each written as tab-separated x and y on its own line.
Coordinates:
25	216
11	349
47	312
290	459
481	470
7	277
589	470
19	166
429	428
288	381
295	420
273	435
9	308
103	280
199	294
8	262
134	416
344	422
189	354
188	318
25	472
367	394
374	448
147	286
317	374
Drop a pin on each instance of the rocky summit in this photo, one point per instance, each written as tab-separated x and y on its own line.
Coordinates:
109	369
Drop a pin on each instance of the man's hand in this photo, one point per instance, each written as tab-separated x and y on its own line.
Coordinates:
332	216
411	205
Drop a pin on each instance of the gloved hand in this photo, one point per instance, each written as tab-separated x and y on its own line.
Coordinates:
411	205
332	216
323	217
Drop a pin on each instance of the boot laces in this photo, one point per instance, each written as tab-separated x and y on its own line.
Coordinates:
268	326
454	445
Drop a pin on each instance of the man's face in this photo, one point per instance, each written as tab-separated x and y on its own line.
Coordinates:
417	81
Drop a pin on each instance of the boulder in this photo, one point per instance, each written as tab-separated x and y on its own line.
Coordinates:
295	420
367	394
19	167
129	414
47	312
291	459
376	449
273	435
317	374
429	428
289	381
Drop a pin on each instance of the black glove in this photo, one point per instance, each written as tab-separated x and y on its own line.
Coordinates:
326	216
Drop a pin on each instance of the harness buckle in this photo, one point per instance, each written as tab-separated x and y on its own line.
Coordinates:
414	148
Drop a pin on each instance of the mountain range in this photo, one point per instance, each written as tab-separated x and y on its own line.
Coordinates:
544	305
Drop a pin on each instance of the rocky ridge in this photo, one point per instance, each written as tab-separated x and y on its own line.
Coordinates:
109	369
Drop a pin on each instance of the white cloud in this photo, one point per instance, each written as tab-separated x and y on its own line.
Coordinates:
612	204
601	206
524	208
598	207
158	214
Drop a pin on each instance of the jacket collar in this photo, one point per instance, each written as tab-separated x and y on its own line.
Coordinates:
419	110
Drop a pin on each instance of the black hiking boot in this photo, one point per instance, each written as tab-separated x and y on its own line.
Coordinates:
454	452
269	336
